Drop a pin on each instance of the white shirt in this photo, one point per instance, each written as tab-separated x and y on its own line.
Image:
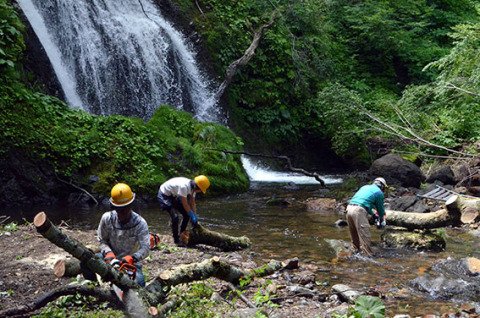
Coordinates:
177	187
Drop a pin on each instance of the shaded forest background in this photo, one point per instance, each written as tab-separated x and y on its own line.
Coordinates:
332	84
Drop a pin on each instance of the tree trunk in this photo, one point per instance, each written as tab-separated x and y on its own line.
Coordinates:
213	267
156	291
67	268
468	208
242	61
411	220
201	235
458	210
108	273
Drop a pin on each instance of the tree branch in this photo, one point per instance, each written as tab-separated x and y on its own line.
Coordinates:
100	294
233	67
77	187
289	163
451	86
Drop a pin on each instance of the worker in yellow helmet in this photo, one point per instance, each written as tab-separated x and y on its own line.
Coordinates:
178	195
123	235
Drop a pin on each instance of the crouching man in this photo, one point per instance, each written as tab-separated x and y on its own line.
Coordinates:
123	236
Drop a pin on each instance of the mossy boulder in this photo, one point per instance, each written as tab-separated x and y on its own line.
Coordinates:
419	240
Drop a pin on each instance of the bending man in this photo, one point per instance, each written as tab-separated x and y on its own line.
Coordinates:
178	195
367	197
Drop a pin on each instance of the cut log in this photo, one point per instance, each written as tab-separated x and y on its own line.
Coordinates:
201	235
108	273
67	268
156	291
458	210
213	267
467	208
431	220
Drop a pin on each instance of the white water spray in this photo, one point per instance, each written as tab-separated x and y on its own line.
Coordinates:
65	78
257	173
122	57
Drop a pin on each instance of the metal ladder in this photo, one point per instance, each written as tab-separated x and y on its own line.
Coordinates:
443	194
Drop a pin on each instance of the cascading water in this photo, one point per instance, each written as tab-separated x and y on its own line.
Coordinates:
120	57
257	173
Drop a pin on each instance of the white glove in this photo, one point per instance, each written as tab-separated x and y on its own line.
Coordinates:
115	263
383	224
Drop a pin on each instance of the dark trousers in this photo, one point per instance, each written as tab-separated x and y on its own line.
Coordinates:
173	206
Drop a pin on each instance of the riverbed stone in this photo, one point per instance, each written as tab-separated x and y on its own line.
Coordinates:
397	170
326	205
473	266
346	292
419	240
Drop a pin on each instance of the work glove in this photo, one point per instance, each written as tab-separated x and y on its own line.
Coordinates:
128	259
193	217
381	224
112	260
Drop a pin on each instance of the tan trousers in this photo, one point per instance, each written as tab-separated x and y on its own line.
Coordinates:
359	228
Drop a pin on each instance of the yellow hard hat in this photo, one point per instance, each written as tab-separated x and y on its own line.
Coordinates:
202	183
122	195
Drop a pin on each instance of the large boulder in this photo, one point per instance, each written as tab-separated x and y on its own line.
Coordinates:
397	170
442	174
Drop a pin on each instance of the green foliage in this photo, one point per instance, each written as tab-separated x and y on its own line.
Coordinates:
76	144
11	38
195	302
371	48
365	307
8	228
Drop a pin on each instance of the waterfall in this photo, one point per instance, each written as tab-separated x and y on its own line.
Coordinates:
120	57
258	173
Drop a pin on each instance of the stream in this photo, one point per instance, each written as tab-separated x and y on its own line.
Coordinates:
284	232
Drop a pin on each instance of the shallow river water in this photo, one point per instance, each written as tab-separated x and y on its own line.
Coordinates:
285	232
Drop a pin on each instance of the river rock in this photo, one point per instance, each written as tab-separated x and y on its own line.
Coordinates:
446	288
397	170
442	174
324	205
346	292
473	266
419	240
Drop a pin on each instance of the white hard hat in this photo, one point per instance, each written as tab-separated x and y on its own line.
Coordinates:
380	181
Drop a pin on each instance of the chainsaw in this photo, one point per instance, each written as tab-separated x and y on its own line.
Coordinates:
129	270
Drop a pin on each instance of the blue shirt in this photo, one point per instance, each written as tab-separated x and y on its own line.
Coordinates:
370	196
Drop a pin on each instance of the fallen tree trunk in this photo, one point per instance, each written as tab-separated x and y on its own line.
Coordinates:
156	291
431	220
201	235
100	294
458	210
67	268
467	208
108	273
213	267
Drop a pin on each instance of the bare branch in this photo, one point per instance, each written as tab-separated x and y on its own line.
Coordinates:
77	187
233	68
451	86
199	9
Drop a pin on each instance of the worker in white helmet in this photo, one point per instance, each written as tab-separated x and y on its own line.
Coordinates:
365	199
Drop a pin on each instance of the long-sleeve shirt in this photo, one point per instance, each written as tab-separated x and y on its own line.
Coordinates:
370	196
131	238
